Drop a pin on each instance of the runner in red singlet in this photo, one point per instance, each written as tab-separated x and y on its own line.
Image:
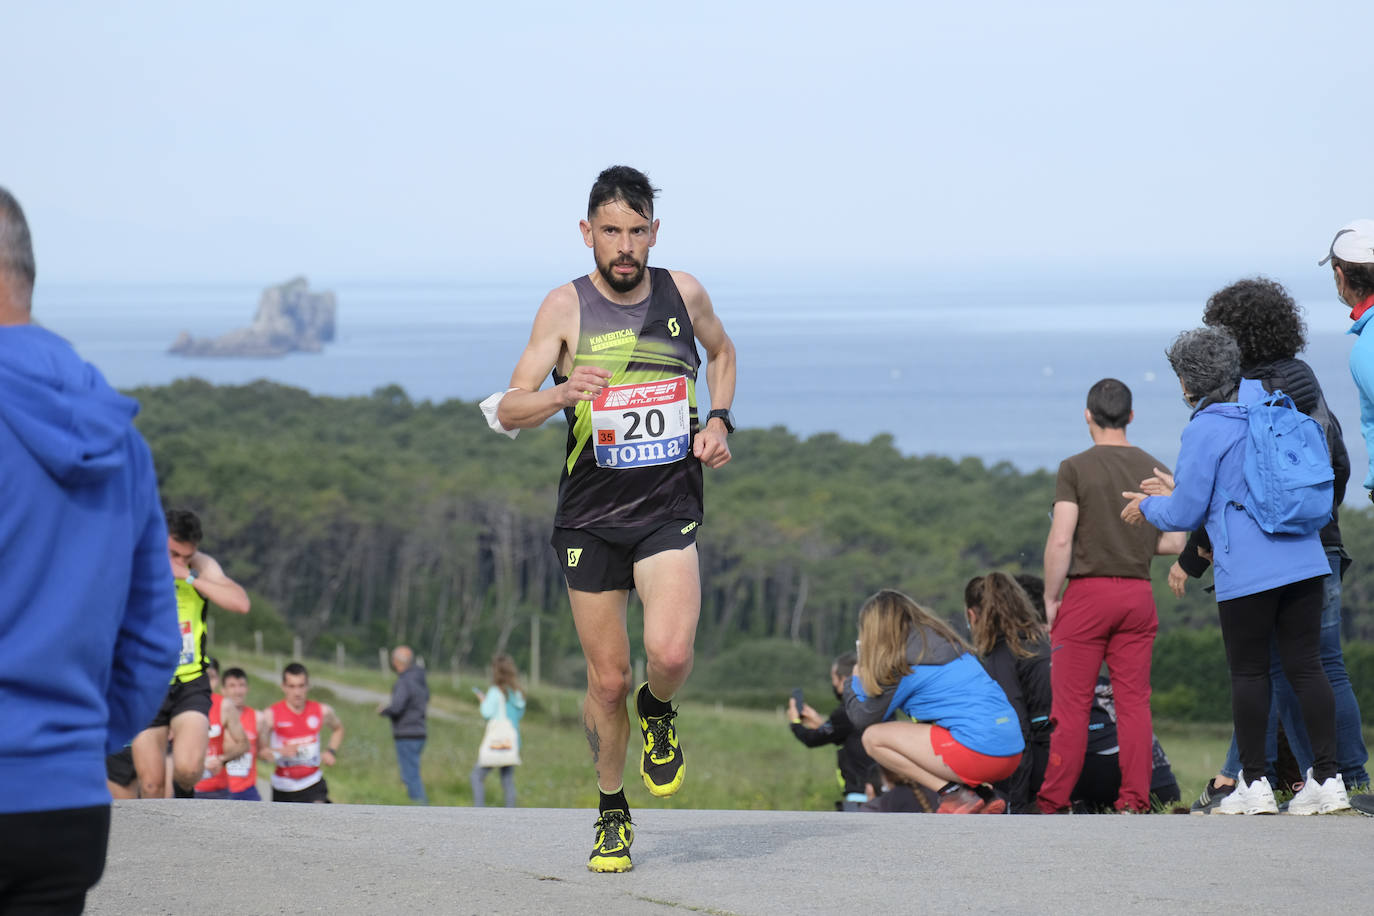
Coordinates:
293	726
242	770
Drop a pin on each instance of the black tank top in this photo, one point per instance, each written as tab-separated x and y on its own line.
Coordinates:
645	475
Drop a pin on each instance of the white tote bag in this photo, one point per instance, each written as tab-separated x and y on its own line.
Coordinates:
499	747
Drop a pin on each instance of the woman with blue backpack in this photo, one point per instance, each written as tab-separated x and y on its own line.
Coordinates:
1268	585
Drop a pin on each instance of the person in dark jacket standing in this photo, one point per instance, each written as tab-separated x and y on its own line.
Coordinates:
88	622
1265	323
853	765
409	700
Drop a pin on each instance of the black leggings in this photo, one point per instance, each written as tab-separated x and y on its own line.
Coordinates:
1291	614
49	859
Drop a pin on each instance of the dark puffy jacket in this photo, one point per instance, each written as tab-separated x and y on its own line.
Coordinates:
1297	380
409	699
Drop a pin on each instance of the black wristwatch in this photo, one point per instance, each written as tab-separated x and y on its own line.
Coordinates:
725	416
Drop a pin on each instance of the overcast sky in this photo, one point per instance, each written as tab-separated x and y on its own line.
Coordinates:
156	142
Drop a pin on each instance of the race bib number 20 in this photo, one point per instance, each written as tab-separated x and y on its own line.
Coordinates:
640	425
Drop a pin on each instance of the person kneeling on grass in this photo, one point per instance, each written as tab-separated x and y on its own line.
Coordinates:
963	734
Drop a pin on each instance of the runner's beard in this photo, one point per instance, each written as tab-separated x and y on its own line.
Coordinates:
618	283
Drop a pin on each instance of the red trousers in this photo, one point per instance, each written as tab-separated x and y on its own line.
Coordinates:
1112	620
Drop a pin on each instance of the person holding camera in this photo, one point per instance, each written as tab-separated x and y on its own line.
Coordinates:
852	763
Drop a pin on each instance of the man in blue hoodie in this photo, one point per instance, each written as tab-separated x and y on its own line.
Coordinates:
89	624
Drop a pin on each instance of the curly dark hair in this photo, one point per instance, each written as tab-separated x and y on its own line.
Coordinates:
1262	317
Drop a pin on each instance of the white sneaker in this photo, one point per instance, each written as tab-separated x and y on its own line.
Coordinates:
1256	798
1323	798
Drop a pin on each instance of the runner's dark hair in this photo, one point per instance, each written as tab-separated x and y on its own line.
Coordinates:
184	525
1109	402
294	668
234	672
1262	318
626	184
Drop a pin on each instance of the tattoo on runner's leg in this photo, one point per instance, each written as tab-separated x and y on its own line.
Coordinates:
594	741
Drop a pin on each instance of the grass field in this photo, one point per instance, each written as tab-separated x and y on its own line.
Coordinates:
744	759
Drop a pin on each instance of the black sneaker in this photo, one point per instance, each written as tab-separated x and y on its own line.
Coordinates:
1363	804
614	834
1211	796
662	765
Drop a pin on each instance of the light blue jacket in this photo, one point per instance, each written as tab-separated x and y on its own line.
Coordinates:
1362	370
1211	459
947	687
515	707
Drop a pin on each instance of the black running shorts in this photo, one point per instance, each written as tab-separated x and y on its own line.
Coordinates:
316	793
119	767
192	696
603	559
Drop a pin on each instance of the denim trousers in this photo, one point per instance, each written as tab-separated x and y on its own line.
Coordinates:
1351	753
479	785
408	758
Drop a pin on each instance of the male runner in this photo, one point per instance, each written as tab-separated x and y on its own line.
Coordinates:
242	769
292	726
620	344
185	712
227	739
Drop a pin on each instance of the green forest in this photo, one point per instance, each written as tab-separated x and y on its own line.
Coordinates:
372	521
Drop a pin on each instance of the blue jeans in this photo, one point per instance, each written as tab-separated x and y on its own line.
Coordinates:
1351	754
479	785
408	758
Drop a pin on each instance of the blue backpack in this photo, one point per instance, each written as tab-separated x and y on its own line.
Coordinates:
1287	468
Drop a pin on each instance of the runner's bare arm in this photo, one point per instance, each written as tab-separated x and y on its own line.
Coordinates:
265	752
215	586
235	738
552	339
336	731
712	445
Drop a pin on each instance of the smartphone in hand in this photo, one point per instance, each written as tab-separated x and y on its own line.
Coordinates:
797	698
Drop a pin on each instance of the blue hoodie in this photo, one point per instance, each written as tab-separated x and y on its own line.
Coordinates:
88	620
1246	560
1362	371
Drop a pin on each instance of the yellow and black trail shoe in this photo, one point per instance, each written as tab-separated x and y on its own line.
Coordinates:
663	765
614	834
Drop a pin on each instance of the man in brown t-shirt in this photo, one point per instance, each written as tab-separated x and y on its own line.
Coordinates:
1108	611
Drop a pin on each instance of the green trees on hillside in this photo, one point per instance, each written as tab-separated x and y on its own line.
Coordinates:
376	520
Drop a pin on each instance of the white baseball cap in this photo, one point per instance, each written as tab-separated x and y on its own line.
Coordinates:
1354	243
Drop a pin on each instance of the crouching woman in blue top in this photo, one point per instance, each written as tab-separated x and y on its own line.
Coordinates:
1268	585
963	732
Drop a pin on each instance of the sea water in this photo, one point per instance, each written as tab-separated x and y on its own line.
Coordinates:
1003	382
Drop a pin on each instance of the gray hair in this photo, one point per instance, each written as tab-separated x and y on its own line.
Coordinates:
16	247
1207	361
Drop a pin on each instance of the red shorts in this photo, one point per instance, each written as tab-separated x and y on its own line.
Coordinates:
971	767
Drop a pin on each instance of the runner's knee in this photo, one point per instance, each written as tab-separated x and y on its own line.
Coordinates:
673	661
609	688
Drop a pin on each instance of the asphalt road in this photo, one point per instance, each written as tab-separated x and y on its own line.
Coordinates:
182	857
